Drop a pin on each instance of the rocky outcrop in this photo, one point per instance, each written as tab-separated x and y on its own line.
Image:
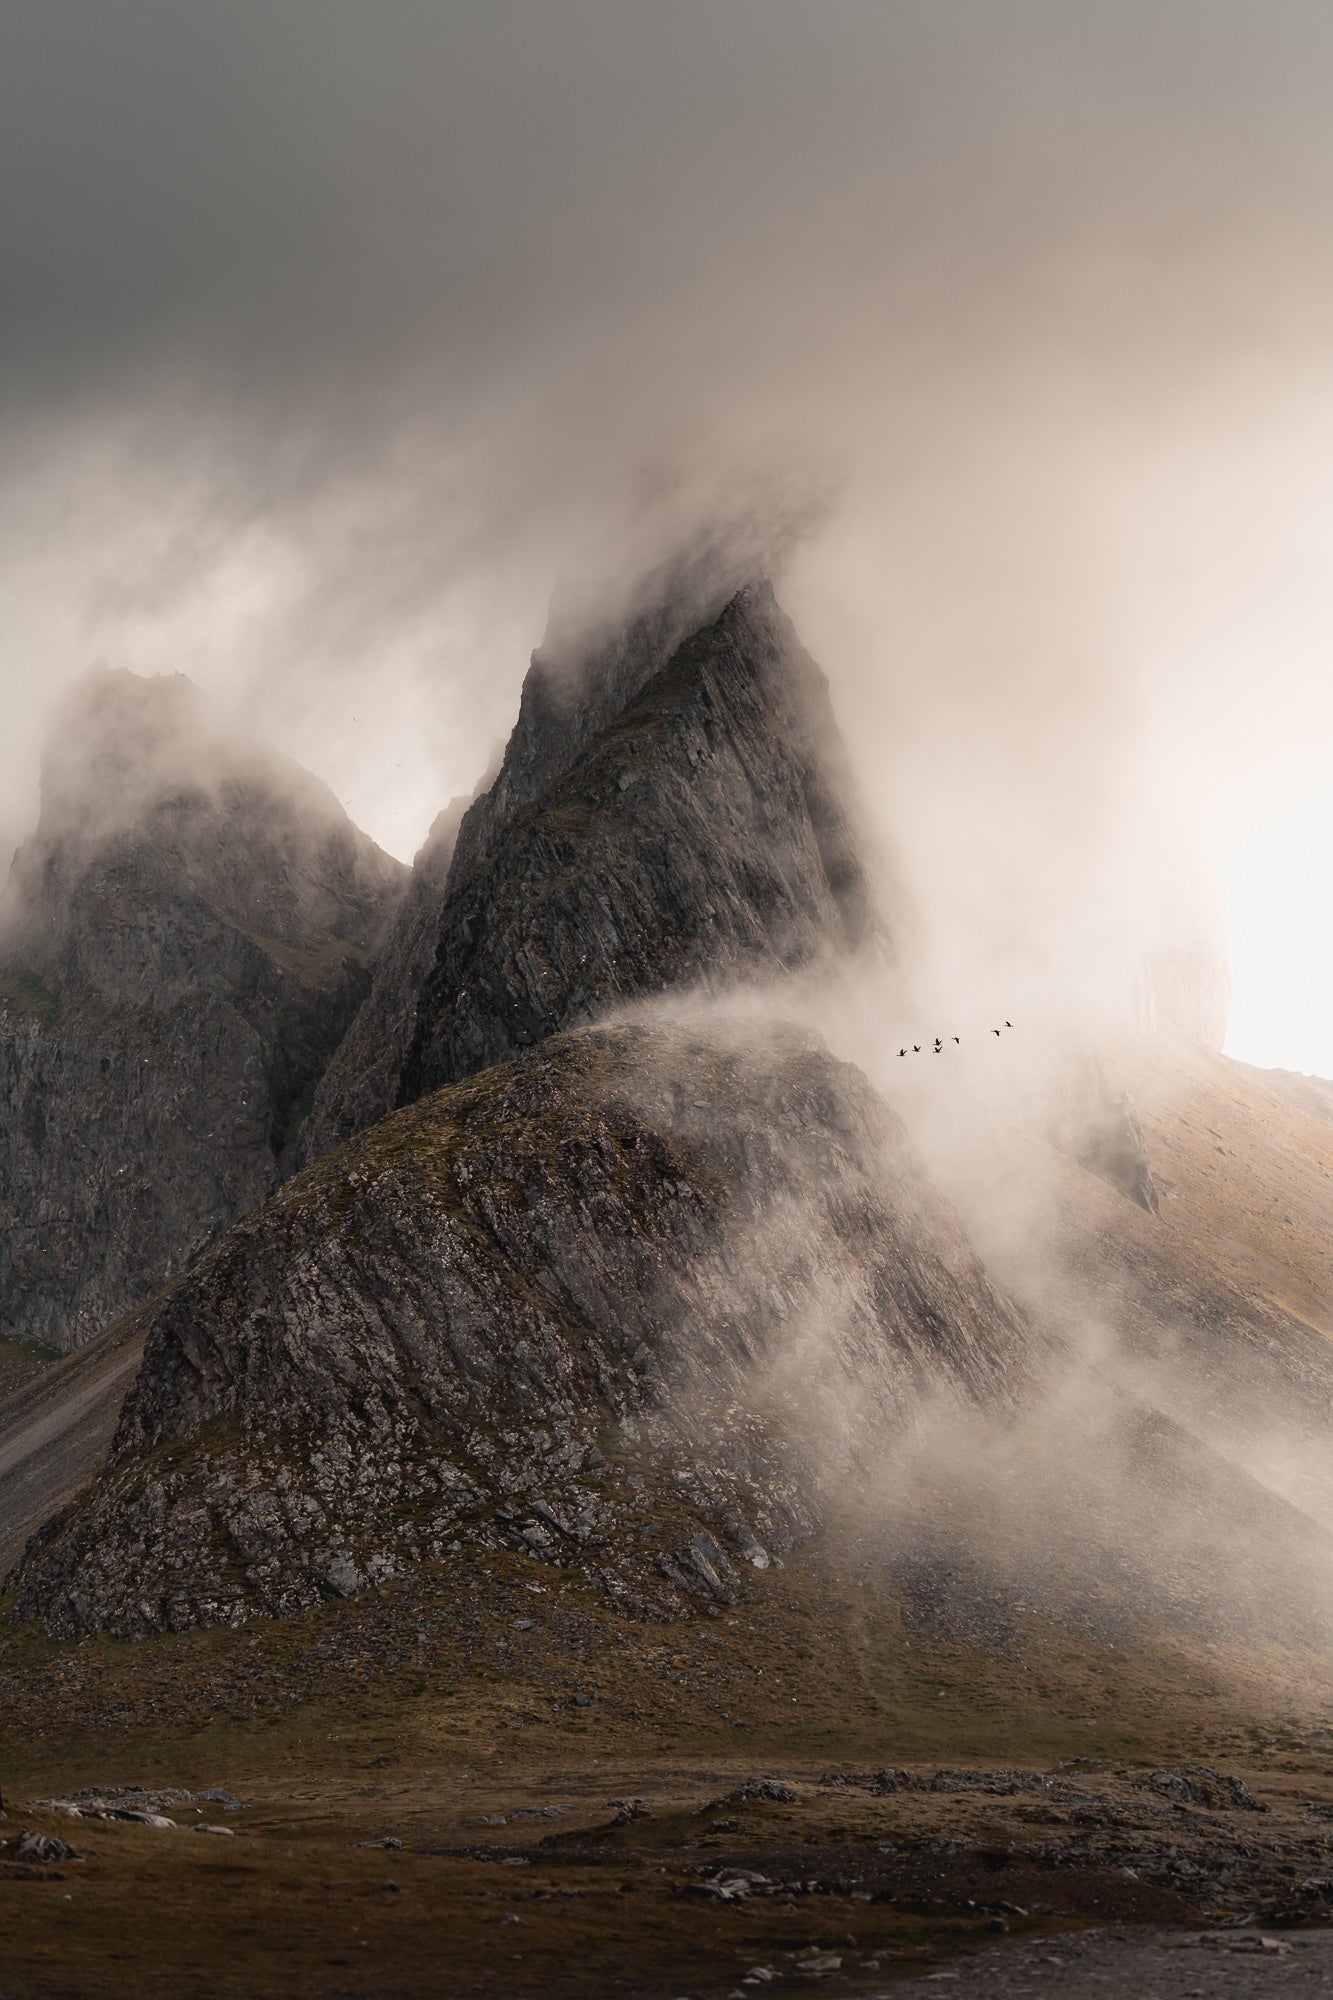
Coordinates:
1097	1124
182	945
670	815
633	1303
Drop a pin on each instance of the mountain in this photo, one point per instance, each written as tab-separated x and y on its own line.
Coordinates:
641	1407
700	1255
647	1305
1312	1093
632	1303
183	942
671	812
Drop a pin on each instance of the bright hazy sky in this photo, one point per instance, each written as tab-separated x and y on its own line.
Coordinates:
1278	888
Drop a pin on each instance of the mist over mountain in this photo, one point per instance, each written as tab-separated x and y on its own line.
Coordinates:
670	843
718	1384
1025	320
671	812
183	939
624	1232
611	1279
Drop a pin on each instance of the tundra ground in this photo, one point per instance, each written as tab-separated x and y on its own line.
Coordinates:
511	1792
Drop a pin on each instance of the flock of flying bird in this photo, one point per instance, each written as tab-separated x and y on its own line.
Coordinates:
917	1047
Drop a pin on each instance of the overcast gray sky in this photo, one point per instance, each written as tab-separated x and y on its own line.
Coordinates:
333	333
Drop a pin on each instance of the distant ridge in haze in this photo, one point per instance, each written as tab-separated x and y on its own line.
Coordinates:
182	943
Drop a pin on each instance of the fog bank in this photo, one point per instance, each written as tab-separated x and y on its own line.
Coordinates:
333	344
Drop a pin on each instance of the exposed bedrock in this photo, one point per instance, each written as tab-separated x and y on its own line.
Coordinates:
182	945
673	814
636	1302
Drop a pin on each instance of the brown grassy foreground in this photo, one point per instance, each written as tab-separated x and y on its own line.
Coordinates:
416	1712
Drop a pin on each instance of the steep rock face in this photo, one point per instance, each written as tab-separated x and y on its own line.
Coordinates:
182	944
635	1302
681	822
1097	1124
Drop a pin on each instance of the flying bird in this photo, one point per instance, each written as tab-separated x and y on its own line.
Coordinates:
902	1052
916	1048
995	1031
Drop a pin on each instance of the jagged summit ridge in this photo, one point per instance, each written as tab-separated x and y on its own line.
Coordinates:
583	675
697	833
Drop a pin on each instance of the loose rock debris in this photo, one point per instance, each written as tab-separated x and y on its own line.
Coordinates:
42	1847
144	1806
1199	1785
730	1885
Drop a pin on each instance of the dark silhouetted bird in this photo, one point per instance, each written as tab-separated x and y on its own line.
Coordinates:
955	1037
916	1048
1008	1024
902	1052
995	1031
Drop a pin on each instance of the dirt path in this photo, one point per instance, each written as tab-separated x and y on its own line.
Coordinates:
46	1429
1148	1964
53	1435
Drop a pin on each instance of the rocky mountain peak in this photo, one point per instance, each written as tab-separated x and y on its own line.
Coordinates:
672	811
120	743
145	780
592	662
183	941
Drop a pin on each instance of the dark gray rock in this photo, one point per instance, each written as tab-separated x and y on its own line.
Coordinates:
672	814
182	945
42	1847
149	1803
773	1791
510	1315
1200	1785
